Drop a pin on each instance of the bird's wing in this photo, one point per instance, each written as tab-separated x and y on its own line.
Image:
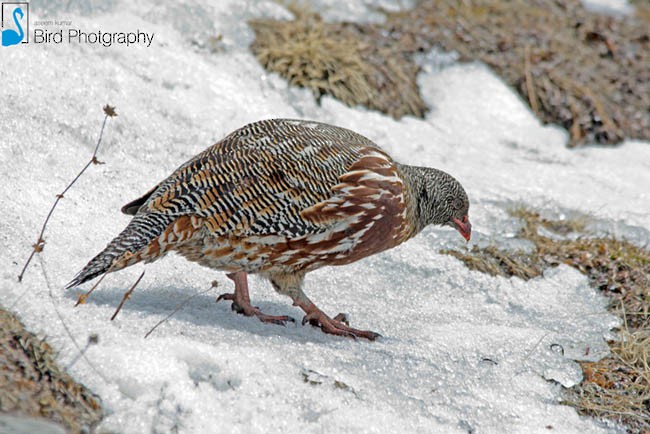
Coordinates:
274	177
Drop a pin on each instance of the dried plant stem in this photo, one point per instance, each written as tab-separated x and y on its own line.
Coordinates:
82	298
179	307
126	296
40	241
65	325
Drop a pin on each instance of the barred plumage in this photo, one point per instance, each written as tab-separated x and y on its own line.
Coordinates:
281	198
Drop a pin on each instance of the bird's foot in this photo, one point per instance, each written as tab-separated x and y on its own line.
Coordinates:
241	302
245	308
336	326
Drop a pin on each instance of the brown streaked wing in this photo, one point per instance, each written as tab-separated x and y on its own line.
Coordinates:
259	179
371	192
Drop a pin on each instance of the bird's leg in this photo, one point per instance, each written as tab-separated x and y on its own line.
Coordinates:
241	302
335	326
290	284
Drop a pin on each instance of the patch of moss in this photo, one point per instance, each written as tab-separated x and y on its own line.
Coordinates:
32	384
359	64
618	386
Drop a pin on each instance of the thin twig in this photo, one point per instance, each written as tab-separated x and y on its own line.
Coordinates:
126	296
63	323
92	340
82	352
40	241
530	352
82	298
180	306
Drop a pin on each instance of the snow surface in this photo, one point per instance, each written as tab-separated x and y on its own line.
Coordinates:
462	351
609	7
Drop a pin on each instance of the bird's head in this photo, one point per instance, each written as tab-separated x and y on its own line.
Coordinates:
441	200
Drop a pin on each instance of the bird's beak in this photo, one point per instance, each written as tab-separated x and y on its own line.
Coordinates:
464	227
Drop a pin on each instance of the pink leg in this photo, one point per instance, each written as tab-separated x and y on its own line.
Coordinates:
335	326
241	302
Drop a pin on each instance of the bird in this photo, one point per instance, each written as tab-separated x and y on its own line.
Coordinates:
280	198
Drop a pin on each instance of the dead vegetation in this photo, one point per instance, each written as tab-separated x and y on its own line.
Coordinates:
496	262
355	63
584	71
618	386
39	245
32	383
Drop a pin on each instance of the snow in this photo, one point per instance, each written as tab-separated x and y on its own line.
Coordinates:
609	7
461	350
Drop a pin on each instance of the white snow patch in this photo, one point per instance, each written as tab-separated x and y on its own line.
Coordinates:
609	7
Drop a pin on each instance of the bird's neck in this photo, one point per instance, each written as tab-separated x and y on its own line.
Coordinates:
414	177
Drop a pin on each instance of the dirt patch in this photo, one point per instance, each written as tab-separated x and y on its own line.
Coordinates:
618	386
32	383
584	71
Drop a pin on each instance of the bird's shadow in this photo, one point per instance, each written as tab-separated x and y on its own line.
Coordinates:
203	310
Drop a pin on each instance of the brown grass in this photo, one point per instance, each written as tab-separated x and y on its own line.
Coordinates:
355	63
584	71
32	384
496	262
618	386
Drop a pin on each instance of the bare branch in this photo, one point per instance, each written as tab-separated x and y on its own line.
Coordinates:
180	306
82	298
126	296
81	353
40	241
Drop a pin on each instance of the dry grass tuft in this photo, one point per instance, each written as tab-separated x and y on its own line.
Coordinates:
582	70
617	267
358	64
495	262
618	386
31	382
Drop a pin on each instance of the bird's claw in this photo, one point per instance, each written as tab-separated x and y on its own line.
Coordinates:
247	309
338	325
226	296
342	317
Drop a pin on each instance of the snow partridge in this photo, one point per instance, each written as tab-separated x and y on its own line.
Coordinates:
280	198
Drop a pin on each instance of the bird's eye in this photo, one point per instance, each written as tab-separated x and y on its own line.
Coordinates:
457	204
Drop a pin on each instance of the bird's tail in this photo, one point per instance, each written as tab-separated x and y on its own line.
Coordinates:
137	242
